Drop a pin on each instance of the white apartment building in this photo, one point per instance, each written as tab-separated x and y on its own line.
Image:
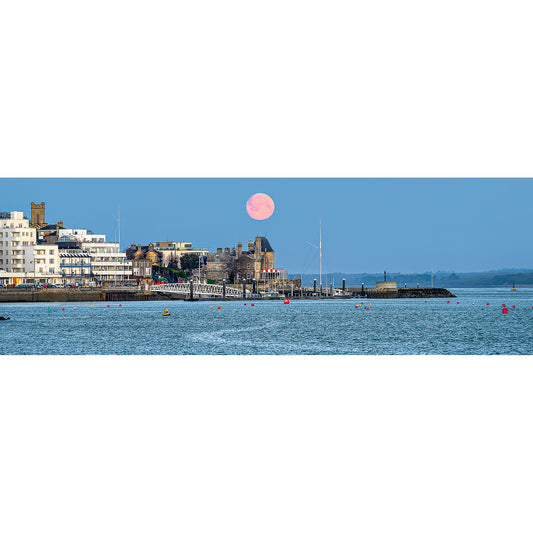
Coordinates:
75	263
44	265
108	263
172	251
21	259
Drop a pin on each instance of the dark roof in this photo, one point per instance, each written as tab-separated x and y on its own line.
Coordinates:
67	245
265	245
49	227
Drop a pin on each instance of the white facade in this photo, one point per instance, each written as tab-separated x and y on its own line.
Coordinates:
108	263
174	250
75	266
21	259
45	263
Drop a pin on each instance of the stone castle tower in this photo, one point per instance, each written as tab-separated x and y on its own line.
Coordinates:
37	215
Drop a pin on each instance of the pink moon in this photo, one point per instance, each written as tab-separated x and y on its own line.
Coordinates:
260	206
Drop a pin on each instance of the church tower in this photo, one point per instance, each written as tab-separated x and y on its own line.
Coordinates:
37	215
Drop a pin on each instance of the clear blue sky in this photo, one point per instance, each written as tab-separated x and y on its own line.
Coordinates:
368	225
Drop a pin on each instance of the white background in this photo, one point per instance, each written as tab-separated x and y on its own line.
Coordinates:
281	444
278	88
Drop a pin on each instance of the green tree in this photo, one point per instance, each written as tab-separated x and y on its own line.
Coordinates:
189	263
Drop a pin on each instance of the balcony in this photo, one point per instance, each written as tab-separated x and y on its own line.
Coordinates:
112	272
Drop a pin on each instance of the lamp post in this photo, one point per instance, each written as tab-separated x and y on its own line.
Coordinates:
33	261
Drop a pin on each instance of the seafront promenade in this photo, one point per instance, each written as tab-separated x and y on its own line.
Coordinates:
115	294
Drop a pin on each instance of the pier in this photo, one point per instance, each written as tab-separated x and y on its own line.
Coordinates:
115	294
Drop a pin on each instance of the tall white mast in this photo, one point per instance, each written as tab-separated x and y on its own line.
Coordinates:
117	261
320	250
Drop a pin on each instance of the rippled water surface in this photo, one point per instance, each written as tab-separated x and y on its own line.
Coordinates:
402	326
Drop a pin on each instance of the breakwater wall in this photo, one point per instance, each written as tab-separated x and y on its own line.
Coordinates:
78	295
421	292
132	294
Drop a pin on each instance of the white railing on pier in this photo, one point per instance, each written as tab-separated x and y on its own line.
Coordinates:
199	289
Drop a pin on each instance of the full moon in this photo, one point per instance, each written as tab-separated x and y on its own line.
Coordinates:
260	206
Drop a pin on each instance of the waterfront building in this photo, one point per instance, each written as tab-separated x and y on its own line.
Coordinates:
165	253
277	280
142	270
21	258
45	261
141	263
273	274
108	264
143	252
74	263
16	239
171	252
49	234
238	264
221	265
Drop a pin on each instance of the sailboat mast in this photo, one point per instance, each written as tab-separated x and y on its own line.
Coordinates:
320	250
116	264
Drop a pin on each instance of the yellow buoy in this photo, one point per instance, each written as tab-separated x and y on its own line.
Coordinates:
90	306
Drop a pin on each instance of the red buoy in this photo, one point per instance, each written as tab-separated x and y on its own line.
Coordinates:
252	305
448	302
513	305
505	310
286	301
457	303
63	309
487	303
108	306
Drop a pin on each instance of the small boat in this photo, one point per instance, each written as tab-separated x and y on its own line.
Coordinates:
4	318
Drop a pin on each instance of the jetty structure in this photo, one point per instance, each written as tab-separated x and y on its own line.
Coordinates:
195	290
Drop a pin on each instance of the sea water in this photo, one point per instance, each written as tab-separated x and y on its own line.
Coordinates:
465	325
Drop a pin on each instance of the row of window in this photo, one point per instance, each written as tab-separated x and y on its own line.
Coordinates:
12	226
16	233
23	261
